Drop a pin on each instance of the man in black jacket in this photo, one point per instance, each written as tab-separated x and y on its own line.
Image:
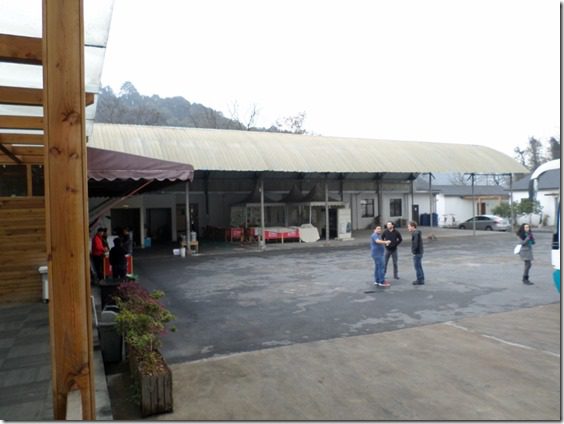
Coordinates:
417	250
392	249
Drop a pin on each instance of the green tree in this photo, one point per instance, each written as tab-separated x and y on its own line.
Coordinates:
503	209
526	206
534	151
554	148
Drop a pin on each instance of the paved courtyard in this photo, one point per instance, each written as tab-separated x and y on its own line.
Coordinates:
237	303
301	334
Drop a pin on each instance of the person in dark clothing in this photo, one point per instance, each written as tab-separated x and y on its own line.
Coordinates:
118	260
417	250
394	236
526	253
126	240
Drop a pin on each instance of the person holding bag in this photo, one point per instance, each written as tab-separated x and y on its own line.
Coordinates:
526	253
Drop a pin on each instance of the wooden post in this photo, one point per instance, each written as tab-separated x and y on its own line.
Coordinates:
66	197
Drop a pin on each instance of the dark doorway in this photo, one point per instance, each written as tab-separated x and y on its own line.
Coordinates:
332	223
127	218
415	213
159	225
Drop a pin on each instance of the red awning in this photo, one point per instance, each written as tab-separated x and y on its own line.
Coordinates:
111	165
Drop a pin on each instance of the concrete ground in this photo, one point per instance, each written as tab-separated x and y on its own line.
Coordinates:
503	366
296	333
25	367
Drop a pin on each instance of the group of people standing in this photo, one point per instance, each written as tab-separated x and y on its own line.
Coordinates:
384	244
123	246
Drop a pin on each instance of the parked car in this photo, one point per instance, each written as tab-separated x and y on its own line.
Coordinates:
486	222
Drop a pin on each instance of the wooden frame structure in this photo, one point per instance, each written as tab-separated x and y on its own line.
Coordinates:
54	228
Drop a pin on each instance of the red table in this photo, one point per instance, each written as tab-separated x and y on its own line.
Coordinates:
108	267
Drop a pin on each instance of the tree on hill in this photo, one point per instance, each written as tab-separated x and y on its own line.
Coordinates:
130	107
534	154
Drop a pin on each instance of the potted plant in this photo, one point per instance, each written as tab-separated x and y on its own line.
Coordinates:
142	320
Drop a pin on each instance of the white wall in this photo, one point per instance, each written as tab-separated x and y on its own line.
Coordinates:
455	206
548	199
461	208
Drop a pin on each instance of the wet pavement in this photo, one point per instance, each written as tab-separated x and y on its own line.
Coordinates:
299	333
257	300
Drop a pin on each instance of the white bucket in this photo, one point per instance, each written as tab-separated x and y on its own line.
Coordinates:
176	252
183	252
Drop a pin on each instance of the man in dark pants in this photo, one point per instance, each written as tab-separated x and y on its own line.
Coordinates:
394	236
417	250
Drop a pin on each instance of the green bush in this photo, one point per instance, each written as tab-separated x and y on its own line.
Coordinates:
503	209
142	320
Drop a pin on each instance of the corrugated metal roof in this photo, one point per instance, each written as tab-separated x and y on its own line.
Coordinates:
548	181
230	150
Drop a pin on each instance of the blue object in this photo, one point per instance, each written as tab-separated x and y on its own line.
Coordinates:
556	278
147	242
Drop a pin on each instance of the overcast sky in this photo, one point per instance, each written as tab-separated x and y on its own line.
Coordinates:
480	72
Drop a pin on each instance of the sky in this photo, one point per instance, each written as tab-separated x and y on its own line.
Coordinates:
483	72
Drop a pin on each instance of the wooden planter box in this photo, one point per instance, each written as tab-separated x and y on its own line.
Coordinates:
155	391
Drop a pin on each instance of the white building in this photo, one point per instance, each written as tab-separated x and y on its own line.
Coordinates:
548	194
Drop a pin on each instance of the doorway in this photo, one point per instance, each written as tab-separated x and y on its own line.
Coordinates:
415	213
128	218
158	222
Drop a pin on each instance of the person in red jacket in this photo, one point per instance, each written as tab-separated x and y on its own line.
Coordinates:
98	252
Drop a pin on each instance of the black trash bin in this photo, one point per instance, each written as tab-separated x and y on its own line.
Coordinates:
108	289
110	340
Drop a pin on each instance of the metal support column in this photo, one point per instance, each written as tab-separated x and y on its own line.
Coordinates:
261	238
473	207
188	218
326	210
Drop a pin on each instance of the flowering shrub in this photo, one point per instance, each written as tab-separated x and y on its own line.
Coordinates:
142	320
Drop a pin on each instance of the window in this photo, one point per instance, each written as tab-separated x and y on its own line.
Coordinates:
13	180
367	208
395	207
37	180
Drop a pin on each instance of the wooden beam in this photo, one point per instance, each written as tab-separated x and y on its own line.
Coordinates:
21	122
66	207
31	160
21	96
18	49
28	96
26	150
33	139
10	154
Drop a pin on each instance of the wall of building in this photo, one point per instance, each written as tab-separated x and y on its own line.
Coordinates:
548	199
453	207
22	237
